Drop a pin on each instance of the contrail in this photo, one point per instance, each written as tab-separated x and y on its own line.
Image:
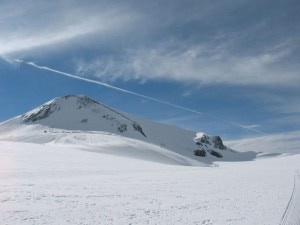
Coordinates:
247	127
128	92
107	85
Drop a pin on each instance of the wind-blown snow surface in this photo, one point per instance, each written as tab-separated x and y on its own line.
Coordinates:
61	184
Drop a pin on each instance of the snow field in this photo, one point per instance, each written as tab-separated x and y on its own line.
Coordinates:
61	184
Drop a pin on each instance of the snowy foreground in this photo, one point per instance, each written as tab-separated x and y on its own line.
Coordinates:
60	184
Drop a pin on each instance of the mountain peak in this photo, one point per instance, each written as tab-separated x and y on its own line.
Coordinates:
55	105
80	112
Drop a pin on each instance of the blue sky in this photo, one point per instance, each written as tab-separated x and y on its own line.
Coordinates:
236	62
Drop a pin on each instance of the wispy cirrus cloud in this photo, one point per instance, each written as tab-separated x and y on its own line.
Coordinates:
186	93
278	143
202	44
31	24
231	42
201	63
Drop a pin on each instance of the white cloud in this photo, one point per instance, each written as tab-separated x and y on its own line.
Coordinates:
200	63
26	26
217	58
278	143
186	93
252	126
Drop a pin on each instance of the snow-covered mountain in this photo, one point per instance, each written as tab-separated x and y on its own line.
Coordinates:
82	121
76	161
82	113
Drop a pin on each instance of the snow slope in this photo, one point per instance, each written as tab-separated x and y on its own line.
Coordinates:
82	121
59	184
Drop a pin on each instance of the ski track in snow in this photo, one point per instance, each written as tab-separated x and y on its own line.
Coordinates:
292	213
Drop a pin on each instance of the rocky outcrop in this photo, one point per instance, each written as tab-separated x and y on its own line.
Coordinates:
215	153
204	139
200	152
138	128
218	143
42	113
209	144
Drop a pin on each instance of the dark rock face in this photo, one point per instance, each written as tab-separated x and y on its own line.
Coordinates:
215	153
204	139
200	152
122	128
108	117
138	128
218	143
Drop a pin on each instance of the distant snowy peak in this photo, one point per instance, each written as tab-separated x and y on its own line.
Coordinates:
203	139
78	112
209	144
